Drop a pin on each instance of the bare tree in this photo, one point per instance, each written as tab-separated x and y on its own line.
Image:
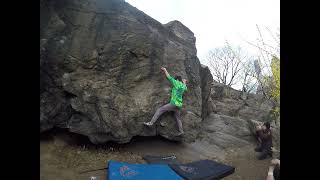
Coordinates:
257	67
225	64
262	63
249	83
267	69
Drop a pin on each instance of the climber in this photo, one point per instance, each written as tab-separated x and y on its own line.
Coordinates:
178	88
265	140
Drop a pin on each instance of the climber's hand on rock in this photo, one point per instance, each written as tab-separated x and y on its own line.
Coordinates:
165	71
258	127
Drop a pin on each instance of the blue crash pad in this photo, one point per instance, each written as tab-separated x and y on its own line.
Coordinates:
120	170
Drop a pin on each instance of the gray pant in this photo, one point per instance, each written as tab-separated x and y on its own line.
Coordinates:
165	108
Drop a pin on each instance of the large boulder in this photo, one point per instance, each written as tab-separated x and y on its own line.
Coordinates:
225	131
228	125
100	72
231	102
208	105
233	132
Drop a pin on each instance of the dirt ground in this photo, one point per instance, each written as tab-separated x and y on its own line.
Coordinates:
64	156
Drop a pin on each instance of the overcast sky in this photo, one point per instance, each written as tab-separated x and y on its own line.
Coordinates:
215	21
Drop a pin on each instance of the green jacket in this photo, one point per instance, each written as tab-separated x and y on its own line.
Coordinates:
177	91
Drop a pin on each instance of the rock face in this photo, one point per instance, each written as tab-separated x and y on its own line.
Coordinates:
226	131
100	70
100	74
231	116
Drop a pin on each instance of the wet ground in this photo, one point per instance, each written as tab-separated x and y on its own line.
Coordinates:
64	156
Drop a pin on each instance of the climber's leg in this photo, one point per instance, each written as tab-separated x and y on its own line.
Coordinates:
159	112
178	120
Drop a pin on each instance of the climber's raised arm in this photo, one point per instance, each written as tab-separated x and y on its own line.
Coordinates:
170	78
166	72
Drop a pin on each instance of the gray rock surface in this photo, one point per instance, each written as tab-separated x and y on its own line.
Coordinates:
100	74
207	90
225	131
100	70
231	119
230	102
